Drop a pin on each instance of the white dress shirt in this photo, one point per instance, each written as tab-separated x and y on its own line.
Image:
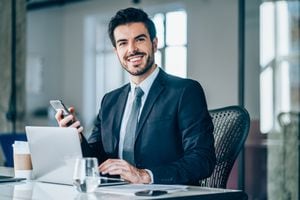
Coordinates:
145	85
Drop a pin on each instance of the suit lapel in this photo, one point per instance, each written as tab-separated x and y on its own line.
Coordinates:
119	109
155	91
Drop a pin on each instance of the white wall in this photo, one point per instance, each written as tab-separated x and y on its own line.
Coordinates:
212	46
44	41
212	50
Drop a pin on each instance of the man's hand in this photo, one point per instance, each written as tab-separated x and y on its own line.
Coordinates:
63	121
125	170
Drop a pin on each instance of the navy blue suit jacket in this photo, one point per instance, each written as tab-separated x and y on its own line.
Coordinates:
174	136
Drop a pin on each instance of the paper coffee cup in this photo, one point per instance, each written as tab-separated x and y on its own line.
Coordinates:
22	160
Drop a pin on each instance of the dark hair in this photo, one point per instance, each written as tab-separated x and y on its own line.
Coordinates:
129	15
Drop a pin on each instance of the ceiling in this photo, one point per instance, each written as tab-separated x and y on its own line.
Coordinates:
40	4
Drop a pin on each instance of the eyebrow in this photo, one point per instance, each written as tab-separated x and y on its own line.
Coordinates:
139	36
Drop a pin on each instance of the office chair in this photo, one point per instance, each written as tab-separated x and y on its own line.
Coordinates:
231	127
6	141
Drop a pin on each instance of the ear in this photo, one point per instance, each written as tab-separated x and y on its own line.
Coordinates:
154	44
115	50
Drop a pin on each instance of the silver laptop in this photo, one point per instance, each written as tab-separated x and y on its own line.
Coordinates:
53	153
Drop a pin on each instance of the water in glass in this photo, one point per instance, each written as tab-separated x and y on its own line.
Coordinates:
86	175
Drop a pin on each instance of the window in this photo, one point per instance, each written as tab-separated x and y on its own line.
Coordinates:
279	77
172	42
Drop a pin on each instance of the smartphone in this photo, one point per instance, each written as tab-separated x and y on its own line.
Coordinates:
148	193
59	105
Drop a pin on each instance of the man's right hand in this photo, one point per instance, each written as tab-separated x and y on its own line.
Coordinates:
63	121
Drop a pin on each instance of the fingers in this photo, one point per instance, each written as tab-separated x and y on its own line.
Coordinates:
77	125
61	120
113	167
122	168
104	167
69	121
58	116
65	121
72	111
80	130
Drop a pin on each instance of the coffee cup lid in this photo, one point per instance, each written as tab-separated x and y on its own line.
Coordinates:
21	147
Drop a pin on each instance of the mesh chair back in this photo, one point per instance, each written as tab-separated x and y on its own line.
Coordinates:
231	127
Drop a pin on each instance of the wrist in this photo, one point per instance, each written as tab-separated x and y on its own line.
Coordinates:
145	176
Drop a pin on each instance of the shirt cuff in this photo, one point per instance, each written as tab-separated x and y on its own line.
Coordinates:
151	176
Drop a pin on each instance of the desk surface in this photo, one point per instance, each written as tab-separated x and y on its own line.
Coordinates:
27	190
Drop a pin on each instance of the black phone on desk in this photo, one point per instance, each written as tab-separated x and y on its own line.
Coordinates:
148	193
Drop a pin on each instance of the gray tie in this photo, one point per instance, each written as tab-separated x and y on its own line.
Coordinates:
128	147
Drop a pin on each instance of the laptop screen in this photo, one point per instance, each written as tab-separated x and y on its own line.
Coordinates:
53	153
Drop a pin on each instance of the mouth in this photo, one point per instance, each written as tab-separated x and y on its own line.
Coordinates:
135	59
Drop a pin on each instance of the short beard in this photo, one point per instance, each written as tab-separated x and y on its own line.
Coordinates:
149	64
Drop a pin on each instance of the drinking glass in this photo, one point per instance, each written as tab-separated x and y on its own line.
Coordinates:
86	175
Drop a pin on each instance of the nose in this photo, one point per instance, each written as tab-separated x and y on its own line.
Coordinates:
132	48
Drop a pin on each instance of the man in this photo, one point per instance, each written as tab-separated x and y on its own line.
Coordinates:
157	128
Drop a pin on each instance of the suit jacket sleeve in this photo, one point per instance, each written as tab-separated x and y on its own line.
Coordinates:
93	147
196	128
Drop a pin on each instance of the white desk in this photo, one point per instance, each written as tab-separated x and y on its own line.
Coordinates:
6	171
28	190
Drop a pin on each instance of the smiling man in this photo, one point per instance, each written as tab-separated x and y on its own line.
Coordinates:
155	129
135	50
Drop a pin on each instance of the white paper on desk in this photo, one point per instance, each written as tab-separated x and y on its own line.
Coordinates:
130	189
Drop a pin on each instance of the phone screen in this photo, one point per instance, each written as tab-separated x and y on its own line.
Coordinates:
58	105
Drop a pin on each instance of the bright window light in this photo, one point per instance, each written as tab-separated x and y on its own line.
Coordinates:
176	61
285	87
267	33
158	20
158	58
266	100
176	28
282	28
171	28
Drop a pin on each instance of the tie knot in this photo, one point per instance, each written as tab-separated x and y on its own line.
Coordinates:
138	92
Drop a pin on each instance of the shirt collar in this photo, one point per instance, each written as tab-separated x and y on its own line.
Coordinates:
146	84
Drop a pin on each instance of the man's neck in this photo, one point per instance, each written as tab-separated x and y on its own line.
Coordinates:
138	79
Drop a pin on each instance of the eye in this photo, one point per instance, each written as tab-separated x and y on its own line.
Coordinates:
120	44
140	39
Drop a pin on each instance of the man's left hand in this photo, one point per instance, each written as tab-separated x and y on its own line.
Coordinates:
125	170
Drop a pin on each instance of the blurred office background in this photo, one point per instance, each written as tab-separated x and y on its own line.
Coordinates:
243	52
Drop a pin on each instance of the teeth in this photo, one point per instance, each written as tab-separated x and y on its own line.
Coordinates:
133	59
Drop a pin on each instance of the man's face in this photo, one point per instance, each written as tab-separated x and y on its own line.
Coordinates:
135	49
